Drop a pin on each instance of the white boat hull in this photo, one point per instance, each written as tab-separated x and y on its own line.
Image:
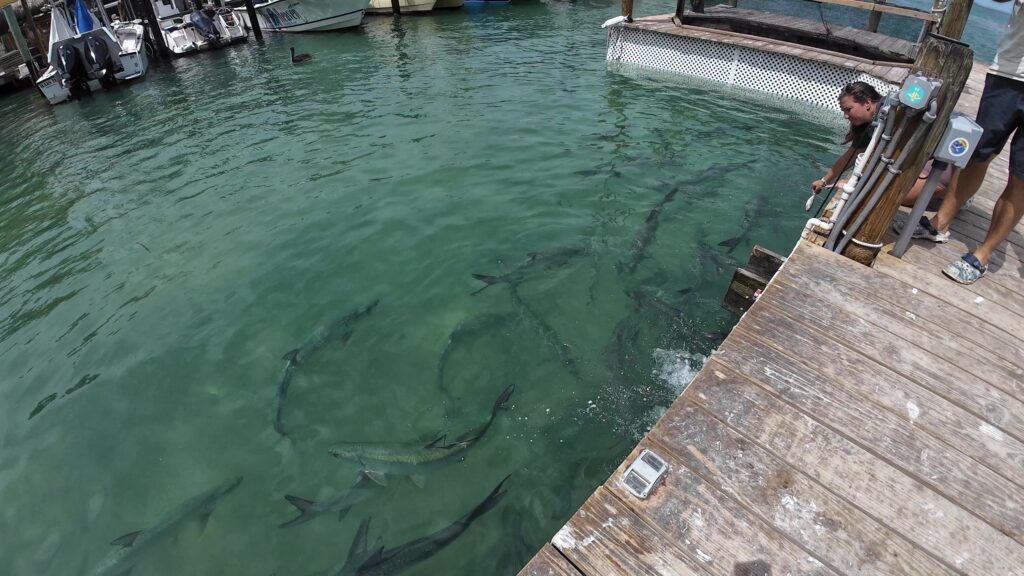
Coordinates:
307	15
384	6
127	49
182	38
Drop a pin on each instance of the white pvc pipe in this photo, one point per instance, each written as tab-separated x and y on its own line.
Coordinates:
826	224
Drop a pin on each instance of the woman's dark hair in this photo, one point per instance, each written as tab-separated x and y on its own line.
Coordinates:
862	93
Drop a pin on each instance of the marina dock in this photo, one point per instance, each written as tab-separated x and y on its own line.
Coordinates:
857	420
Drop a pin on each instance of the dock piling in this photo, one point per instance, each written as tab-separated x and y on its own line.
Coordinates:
254	23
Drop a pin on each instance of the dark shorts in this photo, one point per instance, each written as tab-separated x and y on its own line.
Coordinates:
1001	113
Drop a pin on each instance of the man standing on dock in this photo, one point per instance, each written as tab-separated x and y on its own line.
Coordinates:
1001	114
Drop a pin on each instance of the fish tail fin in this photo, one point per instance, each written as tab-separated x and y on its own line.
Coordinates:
487	280
304	507
291	355
490	502
733	242
499	404
369	308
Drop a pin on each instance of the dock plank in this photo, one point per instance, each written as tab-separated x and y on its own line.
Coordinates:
605	537
994	391
715	530
826	270
549	562
889	438
854	377
947	531
829	527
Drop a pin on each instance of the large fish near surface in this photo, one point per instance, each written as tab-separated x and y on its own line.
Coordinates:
338	331
707	255
412	459
555	258
389	561
550	336
646	234
753	212
134	544
467	330
339	504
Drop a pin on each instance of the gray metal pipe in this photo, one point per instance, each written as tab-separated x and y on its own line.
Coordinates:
895	169
932	182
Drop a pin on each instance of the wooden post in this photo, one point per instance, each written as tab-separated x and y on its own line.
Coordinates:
627	10
154	28
396	7
874	18
939	58
732	3
40	44
954	19
19	40
254	21
697	5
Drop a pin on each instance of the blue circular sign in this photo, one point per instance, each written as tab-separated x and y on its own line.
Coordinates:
959	147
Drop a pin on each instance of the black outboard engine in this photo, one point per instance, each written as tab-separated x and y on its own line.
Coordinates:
97	58
206	27
72	71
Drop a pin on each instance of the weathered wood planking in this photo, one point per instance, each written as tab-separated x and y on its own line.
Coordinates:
549	562
604	537
930	263
716	530
857	380
991	389
1002	308
826	525
828	270
889	438
946	530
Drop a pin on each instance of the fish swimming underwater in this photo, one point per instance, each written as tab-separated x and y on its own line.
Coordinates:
377	459
339	330
555	258
134	544
389	561
340	503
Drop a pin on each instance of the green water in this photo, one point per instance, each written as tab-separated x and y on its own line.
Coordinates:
163	245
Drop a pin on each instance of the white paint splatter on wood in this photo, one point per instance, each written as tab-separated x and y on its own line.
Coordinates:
913	411
564	539
991	431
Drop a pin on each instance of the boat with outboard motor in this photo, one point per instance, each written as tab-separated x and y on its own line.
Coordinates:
186	32
306	15
94	58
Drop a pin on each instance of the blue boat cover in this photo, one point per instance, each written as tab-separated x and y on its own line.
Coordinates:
83	20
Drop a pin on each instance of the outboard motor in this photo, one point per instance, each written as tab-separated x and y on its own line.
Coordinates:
206	27
97	57
72	71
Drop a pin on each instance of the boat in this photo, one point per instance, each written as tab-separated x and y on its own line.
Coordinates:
306	15
90	57
384	6
449	4
187	32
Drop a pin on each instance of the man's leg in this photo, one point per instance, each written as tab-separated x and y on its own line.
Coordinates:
963	187
1007	213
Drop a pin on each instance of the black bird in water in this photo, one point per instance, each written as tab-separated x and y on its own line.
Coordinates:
299	58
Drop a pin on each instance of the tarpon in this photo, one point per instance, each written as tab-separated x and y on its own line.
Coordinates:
753	212
646	234
341	503
338	331
134	544
555	258
467	330
550	336
412	459
389	561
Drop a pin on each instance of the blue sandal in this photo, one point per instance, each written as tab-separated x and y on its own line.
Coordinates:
966	270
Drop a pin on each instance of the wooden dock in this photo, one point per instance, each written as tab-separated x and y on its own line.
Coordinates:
856	421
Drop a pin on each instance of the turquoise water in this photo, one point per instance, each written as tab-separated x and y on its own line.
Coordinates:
163	245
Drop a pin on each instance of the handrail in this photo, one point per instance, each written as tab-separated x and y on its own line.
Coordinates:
873	7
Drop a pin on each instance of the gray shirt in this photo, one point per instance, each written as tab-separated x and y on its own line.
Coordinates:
1010	56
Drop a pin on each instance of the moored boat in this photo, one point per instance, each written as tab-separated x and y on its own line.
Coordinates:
186	32
306	15
94	58
384	6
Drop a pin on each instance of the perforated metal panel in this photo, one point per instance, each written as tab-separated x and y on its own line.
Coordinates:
779	74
